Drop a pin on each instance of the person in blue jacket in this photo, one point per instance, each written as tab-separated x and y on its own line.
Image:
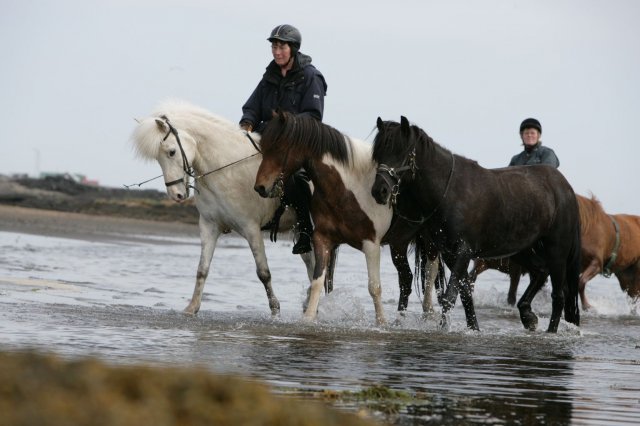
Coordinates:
534	152
290	83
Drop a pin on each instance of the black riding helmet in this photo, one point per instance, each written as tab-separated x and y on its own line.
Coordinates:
287	34
530	123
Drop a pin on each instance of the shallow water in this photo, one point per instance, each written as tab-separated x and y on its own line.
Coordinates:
121	300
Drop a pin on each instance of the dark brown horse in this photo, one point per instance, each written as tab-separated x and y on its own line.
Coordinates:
529	213
342	209
609	244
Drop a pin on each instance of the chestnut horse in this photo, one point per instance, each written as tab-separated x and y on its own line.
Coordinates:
609	244
527	212
342	210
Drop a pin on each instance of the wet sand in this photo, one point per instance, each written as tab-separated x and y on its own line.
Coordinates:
87	227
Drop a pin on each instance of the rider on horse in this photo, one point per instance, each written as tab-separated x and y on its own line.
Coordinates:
290	83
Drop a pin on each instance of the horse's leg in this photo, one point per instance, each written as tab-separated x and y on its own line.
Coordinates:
558	284
209	233
592	269
405	276
479	266
429	276
459	283
331	266
466	297
372	254
629	280
515	271
256	243
537	279
309	261
321	250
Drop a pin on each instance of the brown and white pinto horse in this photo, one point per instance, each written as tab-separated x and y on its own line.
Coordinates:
610	244
342	208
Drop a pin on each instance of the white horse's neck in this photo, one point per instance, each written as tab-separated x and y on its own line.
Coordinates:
218	141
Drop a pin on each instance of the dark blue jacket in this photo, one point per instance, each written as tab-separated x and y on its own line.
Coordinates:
301	91
537	155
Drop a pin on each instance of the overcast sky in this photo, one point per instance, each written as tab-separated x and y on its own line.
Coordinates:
75	73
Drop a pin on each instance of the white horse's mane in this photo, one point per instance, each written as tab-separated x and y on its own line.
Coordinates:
147	136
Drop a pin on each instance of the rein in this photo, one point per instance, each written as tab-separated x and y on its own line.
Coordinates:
606	272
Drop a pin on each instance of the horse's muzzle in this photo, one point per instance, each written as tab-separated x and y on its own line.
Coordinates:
261	190
381	193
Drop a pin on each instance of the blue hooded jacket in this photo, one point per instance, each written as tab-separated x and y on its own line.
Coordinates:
301	91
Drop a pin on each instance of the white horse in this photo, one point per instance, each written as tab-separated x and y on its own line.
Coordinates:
188	141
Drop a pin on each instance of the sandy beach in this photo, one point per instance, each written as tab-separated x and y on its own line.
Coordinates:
86	226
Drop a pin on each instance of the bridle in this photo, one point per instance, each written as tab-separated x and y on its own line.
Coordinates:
393	178
277	191
188	168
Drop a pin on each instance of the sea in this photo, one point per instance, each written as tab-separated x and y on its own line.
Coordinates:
121	300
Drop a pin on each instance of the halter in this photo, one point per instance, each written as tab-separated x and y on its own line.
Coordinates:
393	178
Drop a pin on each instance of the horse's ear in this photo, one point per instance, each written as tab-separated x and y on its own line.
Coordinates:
405	127
380	124
162	125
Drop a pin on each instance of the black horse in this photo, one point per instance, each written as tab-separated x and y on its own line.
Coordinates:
529	213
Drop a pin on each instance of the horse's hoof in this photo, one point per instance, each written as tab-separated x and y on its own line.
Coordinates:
428	315
275	308
190	311
308	319
445	324
529	320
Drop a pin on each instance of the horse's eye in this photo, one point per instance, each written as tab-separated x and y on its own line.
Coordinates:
172	153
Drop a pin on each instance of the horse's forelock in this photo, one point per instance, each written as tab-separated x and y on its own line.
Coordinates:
146	139
390	144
